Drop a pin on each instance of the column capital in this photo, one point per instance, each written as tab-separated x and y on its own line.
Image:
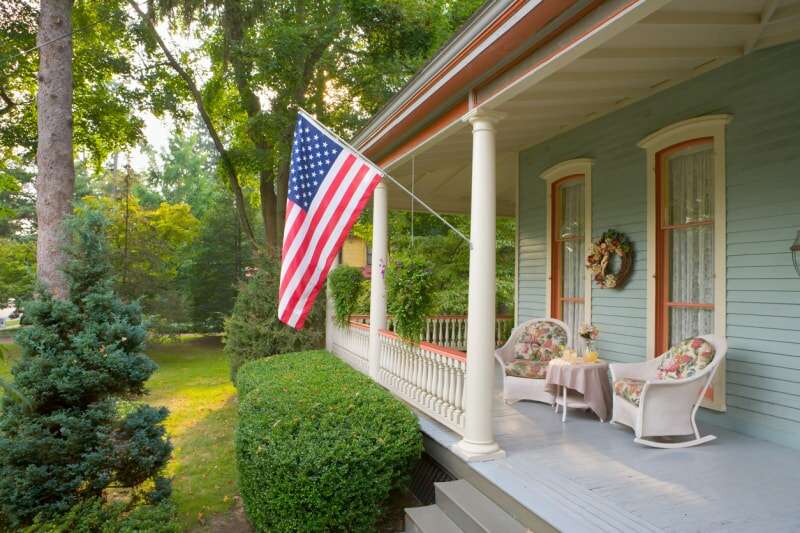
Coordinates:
483	117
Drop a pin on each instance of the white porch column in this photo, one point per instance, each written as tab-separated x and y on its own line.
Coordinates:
377	300
478	443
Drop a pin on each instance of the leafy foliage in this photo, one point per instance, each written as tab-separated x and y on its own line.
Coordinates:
148	247
253	330
340	60
67	437
319	446
449	257
346	283
17	270
96	515
105	106
409	294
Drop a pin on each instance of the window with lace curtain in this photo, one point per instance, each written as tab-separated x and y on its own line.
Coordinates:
685	242
569	230
568	251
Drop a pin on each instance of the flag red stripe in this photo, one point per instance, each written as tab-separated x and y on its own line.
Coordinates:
291	231
319	245
290	234
330	193
340	240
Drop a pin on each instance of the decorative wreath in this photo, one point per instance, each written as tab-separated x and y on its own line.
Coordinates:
610	243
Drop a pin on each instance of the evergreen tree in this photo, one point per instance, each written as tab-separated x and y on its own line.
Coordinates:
71	430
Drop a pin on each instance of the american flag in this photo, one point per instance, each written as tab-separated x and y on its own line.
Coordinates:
329	185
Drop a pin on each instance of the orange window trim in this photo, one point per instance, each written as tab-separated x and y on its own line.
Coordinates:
663	303
557	261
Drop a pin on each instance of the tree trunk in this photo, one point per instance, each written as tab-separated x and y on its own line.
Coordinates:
268	213
55	182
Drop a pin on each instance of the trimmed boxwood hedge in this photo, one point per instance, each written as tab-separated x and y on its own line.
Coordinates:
319	446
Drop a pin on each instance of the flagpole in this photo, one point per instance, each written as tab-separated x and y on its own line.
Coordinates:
386	175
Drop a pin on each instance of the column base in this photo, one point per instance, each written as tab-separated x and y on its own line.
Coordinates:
474	452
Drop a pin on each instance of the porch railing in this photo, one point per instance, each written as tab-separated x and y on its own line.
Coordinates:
351	344
450	331
430	375
427	376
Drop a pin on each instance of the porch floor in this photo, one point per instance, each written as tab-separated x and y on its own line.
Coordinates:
584	475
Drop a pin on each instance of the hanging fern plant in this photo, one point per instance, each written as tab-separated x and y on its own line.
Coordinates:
346	284
410	288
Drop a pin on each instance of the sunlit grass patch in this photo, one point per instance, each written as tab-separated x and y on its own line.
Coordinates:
193	381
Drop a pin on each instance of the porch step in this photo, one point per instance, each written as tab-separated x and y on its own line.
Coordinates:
429	519
472	511
461	508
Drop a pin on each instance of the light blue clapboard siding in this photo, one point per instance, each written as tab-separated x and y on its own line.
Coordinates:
762	92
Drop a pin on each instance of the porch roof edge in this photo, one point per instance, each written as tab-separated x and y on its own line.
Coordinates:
494	28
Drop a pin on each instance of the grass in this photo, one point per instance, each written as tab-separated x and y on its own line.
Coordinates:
193	382
9	353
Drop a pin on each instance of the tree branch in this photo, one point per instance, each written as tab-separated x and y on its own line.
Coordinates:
10	104
227	162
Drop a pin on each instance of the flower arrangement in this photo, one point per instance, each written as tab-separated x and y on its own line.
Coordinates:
610	243
590	332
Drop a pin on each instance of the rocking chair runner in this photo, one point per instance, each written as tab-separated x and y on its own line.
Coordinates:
656	402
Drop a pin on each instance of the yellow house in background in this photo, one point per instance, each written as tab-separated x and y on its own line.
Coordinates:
356	252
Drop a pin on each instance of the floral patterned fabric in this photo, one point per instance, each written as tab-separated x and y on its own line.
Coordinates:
629	389
685	359
525	368
541	341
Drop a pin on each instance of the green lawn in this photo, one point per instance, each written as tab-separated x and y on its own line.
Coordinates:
193	382
9	351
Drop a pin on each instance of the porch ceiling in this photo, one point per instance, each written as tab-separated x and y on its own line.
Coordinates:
661	44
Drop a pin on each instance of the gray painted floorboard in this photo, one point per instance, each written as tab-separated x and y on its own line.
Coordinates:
584	475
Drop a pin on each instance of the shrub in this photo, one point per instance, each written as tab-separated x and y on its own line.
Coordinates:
409	296
97	516
253	331
319	446
346	286
64	436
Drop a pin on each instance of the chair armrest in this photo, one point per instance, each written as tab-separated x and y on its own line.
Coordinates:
645	370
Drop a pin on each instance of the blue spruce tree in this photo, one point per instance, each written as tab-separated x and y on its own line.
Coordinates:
71	427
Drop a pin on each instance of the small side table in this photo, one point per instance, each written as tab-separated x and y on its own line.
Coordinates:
589	385
566	399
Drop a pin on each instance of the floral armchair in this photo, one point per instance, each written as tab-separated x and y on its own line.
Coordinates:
525	356
660	397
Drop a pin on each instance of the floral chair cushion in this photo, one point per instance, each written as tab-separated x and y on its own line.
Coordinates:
540	341
525	368
685	359
629	389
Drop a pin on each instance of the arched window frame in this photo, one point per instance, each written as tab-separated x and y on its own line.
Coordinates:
705	127
551	176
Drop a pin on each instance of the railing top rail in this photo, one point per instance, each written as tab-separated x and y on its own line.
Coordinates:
441	350
359	325
366	317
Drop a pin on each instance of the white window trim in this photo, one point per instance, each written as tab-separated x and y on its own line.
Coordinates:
706	126
572	167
